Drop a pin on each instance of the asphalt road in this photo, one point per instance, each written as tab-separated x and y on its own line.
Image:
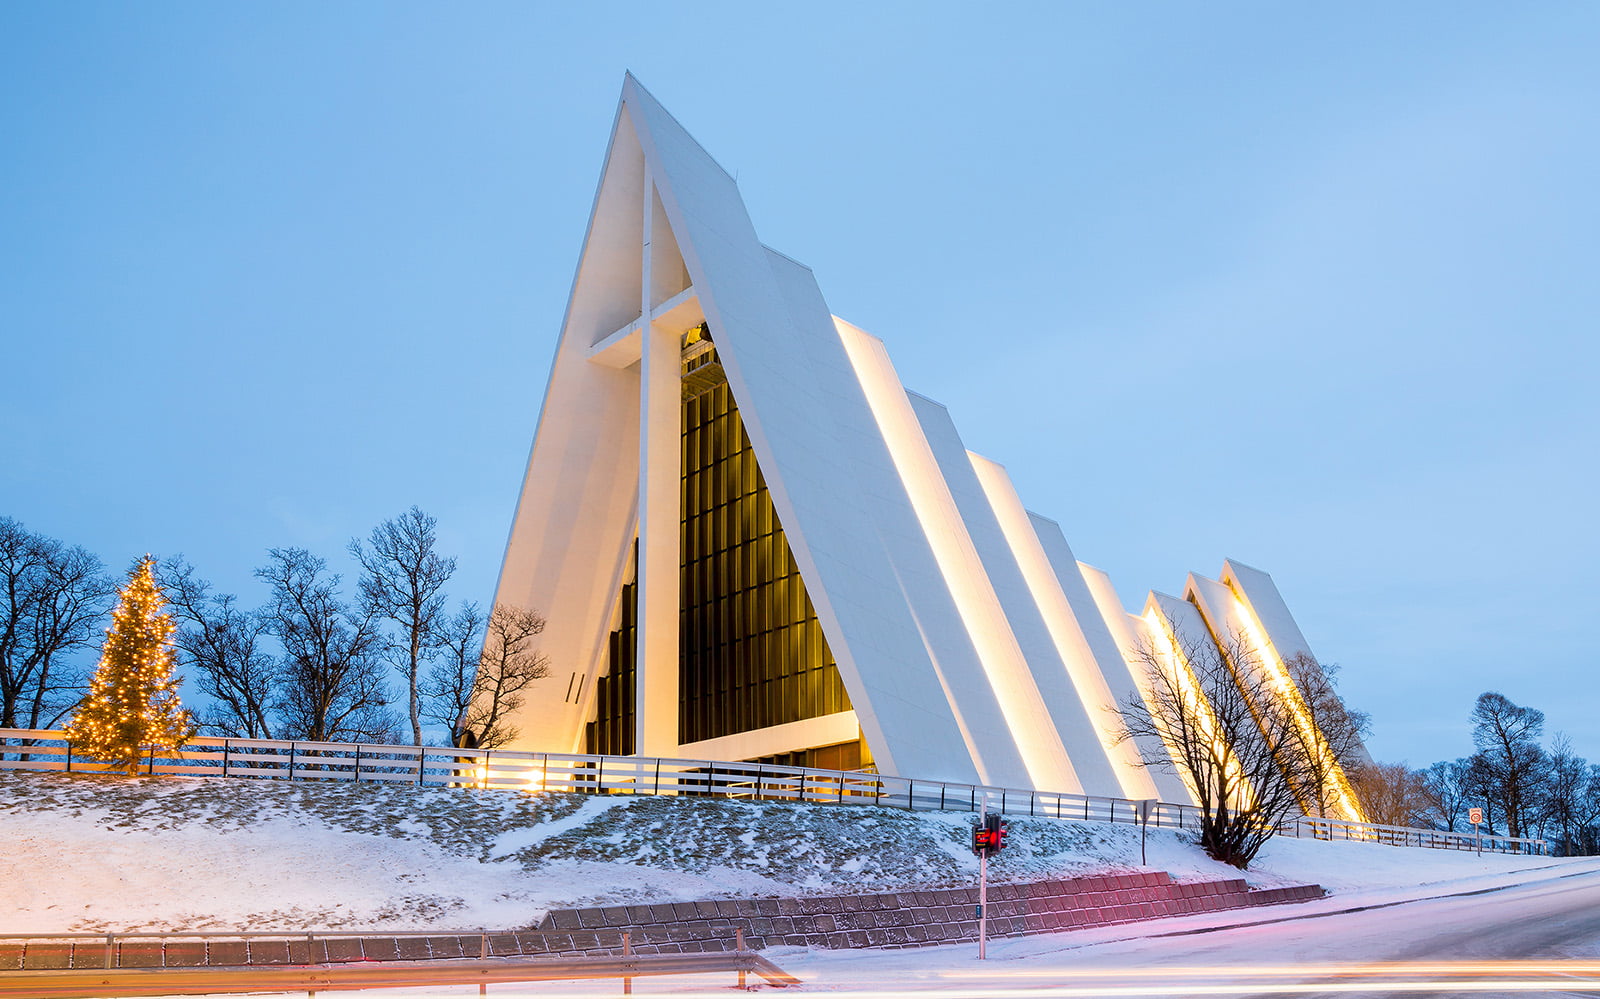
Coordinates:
1539	936
1532	934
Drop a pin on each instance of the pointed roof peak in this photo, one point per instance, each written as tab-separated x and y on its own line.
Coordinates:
656	116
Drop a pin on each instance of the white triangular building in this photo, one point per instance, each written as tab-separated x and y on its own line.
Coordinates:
750	542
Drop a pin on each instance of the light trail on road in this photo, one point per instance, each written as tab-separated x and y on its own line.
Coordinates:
1470	977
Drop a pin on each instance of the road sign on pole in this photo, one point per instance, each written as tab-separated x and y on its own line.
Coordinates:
1145	808
1475	816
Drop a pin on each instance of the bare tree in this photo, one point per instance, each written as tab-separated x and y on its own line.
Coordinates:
1507	736
1235	742
1483	785
333	677
474	686
51	596
1392	794
1448	785
1587	818
1342	732
403	580
1564	791
223	643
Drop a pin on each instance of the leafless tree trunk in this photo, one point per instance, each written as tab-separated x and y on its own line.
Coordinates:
223	645
51	596
1447	784
1563	792
333	678
1506	735
473	687
1483	784
403	580
1235	742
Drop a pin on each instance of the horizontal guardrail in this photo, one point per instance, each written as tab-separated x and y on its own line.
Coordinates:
66	955
49	750
1434	839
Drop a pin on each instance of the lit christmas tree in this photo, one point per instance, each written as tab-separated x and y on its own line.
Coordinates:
133	699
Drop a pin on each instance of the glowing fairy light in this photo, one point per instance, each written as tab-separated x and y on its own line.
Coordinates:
132	706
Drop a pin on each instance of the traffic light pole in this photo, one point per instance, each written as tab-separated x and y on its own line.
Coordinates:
983	903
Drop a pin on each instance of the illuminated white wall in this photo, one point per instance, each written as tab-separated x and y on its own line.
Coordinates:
972	644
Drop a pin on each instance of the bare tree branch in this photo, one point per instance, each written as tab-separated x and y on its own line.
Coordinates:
333	678
472	688
1233	740
403	580
51	597
223	643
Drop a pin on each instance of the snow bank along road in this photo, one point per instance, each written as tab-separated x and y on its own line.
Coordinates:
1536	932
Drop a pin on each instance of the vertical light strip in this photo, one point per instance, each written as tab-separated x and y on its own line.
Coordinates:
1164	646
1020	703
1065	632
1128	632
1277	674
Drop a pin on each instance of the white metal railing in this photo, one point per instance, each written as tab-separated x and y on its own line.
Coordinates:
40	749
1435	839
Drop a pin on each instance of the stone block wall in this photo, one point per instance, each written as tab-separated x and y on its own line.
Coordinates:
902	919
893	919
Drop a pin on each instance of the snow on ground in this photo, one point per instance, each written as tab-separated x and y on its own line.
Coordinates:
90	852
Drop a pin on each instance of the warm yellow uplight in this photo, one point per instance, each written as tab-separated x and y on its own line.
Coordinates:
1277	673
1172	661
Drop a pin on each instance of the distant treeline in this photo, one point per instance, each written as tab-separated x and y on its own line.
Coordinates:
1523	788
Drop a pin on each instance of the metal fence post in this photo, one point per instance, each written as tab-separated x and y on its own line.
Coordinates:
738	946
657	787
358	763
291	760
69	756
627	951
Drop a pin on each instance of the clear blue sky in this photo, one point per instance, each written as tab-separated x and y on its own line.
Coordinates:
1314	288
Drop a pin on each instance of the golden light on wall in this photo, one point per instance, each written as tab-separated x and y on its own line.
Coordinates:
1272	667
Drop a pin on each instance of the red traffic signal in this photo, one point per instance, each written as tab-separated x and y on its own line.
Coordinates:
989	837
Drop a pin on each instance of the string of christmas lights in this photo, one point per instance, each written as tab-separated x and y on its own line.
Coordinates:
132	707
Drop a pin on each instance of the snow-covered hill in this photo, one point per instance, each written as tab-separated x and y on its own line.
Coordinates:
91	852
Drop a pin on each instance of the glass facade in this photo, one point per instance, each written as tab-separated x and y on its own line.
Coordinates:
752	653
611	732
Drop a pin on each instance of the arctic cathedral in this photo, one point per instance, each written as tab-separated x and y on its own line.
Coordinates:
751	542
